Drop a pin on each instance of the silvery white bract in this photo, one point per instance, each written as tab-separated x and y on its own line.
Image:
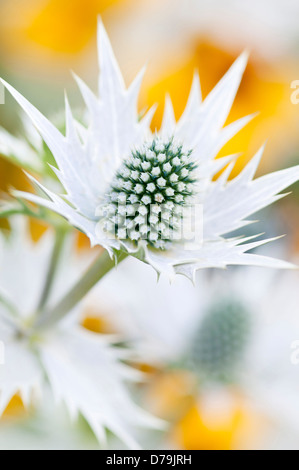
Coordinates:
83	369
115	168
21	152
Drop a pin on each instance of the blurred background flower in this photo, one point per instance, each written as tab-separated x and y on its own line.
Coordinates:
218	357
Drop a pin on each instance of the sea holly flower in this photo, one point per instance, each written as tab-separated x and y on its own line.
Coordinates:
248	337
136	192
85	370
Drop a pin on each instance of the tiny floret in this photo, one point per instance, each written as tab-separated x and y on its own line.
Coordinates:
176	161
174	178
125	172
179	198
130	210
184	172
156	171
161	182
156	209
139	188
145	177
159	147
150	155
122	197
142	210
127	185
161	157
133	198
145	165
146	200
135	175
181	187
144	229
169	192
122	233
159	197
151	187
167	167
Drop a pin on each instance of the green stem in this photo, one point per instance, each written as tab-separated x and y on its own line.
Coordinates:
101	266
12	309
11	316
54	262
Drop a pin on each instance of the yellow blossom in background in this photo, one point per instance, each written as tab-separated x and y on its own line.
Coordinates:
15	409
14	176
265	89
74	22
169	394
11	176
219	425
51	26
212	420
98	324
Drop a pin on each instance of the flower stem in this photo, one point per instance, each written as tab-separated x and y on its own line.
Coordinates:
101	266
54	261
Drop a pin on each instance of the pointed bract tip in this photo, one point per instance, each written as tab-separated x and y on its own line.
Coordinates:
100	24
196	82
244	57
102	35
66	99
240	63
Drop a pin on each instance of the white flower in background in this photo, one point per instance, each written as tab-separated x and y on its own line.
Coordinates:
269	27
83	369
237	330
157	325
48	428
126	188
251	332
164	324
274	22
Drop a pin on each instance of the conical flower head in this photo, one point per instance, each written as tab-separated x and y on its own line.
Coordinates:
220	342
149	192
